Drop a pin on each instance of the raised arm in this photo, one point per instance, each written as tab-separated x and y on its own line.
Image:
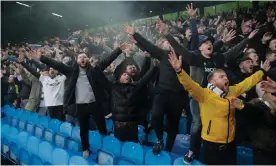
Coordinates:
24	76
103	64
246	84
146	79
31	70
194	89
152	49
190	57
233	53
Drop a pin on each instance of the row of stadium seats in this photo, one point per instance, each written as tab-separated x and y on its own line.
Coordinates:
65	137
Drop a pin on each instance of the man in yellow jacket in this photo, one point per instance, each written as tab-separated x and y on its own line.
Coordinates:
216	111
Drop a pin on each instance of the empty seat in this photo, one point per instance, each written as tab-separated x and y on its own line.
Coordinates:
142	136
23	157
244	156
161	159
141	128
95	141
34	119
73	145
60	157
5	129
44	121
54	125
181	144
76	133
105	158
66	129
45	150
32	145
152	138
35	160
77	160
22	139
133	152
112	145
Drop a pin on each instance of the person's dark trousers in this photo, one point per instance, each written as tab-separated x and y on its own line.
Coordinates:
171	105
261	157
56	112
83	114
126	131
143	116
195	139
219	154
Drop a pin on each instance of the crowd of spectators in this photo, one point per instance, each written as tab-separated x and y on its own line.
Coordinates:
220	71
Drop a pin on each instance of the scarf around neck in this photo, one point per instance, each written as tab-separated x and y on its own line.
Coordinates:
216	90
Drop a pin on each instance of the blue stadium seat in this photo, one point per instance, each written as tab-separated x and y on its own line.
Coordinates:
35	160
112	145
22	139
153	139
95	141
10	136
23	157
60	157
133	152
38	131
182	125
66	129
62	138
109	125
34	119
142	136
181	144
161	159
5	129
30	128
32	145
44	121
73	145
45	150
20	142
54	125
244	156
13	152
50	132
124	161
105	158
141	128
76	133
77	160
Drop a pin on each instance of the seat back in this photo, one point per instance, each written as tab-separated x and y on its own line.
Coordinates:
13	134
24	157
112	145
60	157
95	141
54	125
76	133
77	160
161	159
73	145
45	150
182	126
105	158
22	139
244	156
32	145
5	129
35	160
34	118
66	129
133	152
44	121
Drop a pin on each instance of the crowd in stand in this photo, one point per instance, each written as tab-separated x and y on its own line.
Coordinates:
221	69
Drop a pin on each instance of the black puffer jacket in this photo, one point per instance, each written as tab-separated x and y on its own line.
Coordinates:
126	100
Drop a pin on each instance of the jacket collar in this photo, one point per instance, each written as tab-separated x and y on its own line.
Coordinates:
216	90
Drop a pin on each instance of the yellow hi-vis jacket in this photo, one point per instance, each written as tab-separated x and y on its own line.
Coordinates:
217	114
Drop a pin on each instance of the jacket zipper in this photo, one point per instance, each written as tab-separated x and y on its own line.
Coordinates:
209	127
228	127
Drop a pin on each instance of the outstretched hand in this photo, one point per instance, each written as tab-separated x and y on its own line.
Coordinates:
253	33
269	85
266	65
129	29
229	36
174	61
191	11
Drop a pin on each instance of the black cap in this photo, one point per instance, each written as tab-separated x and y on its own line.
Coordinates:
203	39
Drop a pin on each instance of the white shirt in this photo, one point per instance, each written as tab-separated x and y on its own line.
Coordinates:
53	89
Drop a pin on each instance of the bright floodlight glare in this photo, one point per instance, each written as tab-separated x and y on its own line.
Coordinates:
56	15
23	4
150	11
